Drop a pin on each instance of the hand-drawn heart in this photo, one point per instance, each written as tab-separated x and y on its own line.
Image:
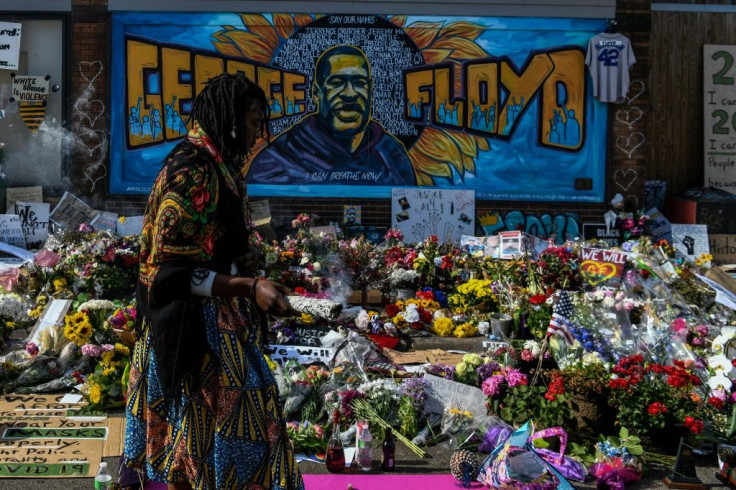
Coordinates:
91	110
625	178
597	273
90	169
94	142
627	116
641	85
629	144
90	70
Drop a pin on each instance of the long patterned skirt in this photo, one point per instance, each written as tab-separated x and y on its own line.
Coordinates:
227	431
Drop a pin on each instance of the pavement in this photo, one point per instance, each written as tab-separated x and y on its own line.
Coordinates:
436	461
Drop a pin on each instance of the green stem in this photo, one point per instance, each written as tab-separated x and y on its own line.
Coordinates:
364	410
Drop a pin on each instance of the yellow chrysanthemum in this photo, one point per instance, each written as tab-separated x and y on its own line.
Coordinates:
108	371
106	357
95	393
465	330
307	319
123	349
59	284
443	327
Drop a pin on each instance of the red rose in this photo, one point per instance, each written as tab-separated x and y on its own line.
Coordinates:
716	402
538	299
392	310
209	245
656	408
200	198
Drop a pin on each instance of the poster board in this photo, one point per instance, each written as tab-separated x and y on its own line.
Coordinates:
11	231
602	233
719	116
690	240
420	213
71	212
34	221
600	267
10	34
27	194
303	354
723	248
53	314
351	214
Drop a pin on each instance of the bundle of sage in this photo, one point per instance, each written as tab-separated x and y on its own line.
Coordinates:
322	308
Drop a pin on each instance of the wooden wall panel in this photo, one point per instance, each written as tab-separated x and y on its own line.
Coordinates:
675	134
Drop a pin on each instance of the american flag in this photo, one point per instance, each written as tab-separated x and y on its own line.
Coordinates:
560	322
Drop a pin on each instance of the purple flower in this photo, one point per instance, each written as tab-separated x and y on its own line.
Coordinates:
416	389
443	370
492	386
514	377
486	370
32	348
494	436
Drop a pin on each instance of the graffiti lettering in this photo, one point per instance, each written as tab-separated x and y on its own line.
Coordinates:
169	79
557	78
561	227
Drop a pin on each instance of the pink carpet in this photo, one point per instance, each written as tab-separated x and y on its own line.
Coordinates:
370	482
383	482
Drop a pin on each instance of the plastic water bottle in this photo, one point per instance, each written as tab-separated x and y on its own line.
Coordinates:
365	460
103	480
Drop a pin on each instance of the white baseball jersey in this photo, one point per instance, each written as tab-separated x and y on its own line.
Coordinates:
609	58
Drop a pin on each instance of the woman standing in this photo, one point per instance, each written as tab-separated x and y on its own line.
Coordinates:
203	409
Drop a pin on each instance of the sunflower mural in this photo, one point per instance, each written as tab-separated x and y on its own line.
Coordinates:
363	103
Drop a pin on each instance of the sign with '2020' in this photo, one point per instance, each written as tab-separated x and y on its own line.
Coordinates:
719	90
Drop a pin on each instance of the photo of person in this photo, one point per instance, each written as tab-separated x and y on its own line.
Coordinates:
404	203
351	215
340	143
402	216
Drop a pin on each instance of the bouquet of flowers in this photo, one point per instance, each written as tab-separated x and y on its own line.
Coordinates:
107	386
307	437
413	393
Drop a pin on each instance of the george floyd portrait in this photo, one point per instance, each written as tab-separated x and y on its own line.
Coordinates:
340	143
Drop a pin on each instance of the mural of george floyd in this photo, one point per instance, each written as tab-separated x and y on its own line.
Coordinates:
363	103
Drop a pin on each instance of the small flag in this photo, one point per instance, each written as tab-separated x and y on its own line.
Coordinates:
560	322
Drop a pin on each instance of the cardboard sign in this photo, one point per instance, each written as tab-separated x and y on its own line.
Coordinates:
602	233
602	266
9	45
41	436
690	240
443	393
719	114
71	212
34	220
303	354
132	225
105	220
26	194
412	357
723	248
11	231
439	356
446	214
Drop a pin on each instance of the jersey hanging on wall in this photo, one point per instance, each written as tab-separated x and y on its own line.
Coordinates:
609	58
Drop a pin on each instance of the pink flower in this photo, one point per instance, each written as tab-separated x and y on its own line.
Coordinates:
107	347
679	325
492	385
319	431
527	356
514	377
702	330
32	348
91	350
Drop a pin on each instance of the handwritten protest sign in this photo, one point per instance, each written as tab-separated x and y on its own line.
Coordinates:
71	212
303	354
442	393
439	356
11	231
34	221
9	45
26	194
446	214
41	436
310	336
411	357
31	89
600	266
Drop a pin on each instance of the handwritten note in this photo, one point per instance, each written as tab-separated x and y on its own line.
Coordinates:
11	231
719	116
420	213
9	45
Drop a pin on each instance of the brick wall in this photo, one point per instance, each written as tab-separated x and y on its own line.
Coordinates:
90	46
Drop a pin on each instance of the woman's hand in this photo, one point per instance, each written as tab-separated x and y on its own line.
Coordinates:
270	298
